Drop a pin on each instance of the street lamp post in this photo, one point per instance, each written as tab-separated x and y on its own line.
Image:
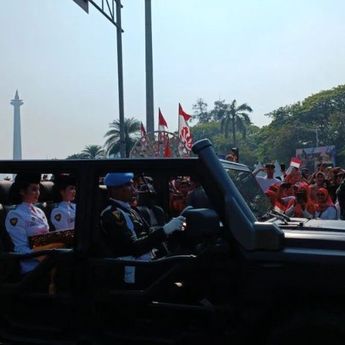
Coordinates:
120	79
107	9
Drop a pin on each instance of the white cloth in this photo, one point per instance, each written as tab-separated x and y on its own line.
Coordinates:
337	206
24	221
265	182
258	167
63	216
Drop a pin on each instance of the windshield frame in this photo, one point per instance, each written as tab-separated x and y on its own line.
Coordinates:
266	206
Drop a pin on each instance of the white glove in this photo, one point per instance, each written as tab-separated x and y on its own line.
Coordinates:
174	224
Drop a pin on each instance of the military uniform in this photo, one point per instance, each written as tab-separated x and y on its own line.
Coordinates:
128	235
127	231
24	221
63	216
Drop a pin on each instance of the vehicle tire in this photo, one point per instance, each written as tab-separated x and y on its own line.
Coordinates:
312	328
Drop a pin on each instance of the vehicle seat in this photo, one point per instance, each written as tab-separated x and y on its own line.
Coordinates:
154	214
101	247
9	269
47	200
6	244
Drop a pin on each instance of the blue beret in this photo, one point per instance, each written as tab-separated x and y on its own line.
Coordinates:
117	179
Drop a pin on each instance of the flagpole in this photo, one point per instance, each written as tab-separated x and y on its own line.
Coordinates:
149	68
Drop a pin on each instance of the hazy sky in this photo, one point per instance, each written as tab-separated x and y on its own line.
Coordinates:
267	53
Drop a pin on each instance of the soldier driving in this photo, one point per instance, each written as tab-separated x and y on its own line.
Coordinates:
126	231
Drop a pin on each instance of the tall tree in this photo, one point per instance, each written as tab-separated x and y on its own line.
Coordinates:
200	111
132	133
219	110
237	117
93	152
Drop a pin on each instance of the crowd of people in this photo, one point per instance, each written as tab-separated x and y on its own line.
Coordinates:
301	193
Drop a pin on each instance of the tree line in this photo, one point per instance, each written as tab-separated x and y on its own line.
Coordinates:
317	120
112	143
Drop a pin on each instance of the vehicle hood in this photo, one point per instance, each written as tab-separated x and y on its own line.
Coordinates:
323	224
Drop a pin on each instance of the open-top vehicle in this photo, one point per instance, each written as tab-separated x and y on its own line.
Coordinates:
237	273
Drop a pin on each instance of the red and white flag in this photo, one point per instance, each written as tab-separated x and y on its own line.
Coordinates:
164	143
143	138
183	129
295	162
142	130
162	124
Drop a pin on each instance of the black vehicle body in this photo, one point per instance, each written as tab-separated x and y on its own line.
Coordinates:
237	279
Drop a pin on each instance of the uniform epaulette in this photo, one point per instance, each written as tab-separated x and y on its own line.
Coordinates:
118	217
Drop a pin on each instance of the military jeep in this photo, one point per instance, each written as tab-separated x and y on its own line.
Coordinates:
239	273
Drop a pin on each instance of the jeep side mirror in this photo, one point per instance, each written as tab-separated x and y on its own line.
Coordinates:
201	223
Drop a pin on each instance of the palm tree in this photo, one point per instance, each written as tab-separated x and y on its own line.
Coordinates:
236	116
77	156
93	152
131	128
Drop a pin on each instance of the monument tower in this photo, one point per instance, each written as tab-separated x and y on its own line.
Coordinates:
17	138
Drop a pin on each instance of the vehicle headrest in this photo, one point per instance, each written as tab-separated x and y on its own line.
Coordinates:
7	192
5	187
47	191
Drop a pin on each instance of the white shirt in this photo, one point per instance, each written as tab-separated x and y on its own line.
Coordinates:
24	221
63	216
265	182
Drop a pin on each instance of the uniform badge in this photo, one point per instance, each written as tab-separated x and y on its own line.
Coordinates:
117	217
14	221
57	217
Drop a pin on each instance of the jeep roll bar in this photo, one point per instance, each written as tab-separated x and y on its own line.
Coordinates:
251	234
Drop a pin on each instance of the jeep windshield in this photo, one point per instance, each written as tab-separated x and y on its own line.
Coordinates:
250	191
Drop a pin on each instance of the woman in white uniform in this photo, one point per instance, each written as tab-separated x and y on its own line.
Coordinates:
63	216
26	219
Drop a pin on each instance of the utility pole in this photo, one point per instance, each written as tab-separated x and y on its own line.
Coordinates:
149	68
